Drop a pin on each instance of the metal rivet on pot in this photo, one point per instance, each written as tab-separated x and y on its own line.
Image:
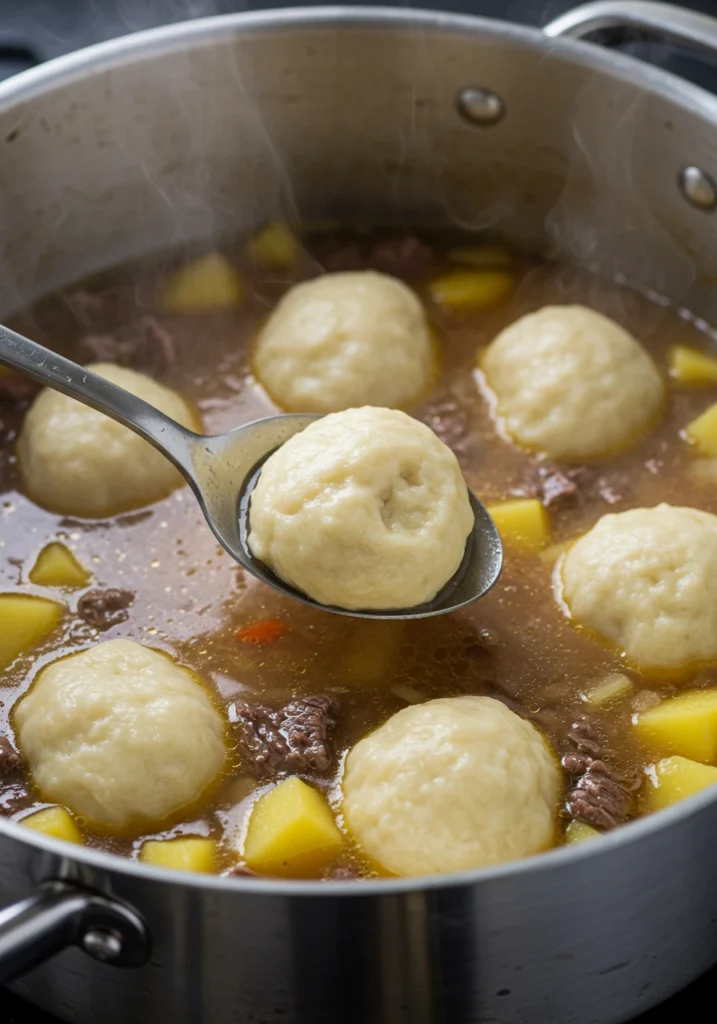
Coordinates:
698	188
480	106
104	944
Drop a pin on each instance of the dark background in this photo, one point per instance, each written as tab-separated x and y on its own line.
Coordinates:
33	31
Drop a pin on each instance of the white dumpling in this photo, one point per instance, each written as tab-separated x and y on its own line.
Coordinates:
365	508
344	340
121	735
572	383
647	580
452	784
78	462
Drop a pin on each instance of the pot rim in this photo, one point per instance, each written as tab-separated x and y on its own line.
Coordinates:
164	40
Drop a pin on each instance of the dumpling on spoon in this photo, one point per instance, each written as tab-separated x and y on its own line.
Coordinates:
364	509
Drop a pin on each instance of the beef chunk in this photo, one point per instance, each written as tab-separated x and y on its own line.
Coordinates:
144	345
293	739
105	608
9	757
560	486
598	795
14	797
401	255
104	309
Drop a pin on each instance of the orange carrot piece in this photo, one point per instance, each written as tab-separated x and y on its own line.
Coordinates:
261	632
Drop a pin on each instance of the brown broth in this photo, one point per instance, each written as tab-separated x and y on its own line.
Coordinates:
191	597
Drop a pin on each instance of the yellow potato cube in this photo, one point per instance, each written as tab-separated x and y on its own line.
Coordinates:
55	822
677	778
24	621
472	289
579	832
56	566
481	256
522	523
291	832
187	853
275	247
690	366
206	284
702	432
685	725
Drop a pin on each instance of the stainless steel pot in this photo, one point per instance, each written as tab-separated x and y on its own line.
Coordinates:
383	115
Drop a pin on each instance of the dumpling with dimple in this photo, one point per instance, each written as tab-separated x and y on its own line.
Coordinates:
121	735
363	509
572	383
452	784
646	579
344	340
78	462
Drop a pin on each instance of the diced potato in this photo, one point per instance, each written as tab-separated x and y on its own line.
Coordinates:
612	688
371	651
702	432
208	283
291	832
579	832
55	822
24	621
522	523
187	853
56	566
480	256
685	725
677	778
472	289
275	247
690	366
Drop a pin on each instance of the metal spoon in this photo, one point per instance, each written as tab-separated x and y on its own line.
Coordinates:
222	470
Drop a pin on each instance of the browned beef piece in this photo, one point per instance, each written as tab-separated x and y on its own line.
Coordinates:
10	760
598	795
292	739
144	345
105	608
401	255
14	797
103	309
559	486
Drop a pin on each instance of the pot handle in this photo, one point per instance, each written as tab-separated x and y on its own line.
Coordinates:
664	21
59	915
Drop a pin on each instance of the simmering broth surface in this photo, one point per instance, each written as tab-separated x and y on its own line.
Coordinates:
192	601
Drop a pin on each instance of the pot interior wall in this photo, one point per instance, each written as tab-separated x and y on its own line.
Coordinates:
181	140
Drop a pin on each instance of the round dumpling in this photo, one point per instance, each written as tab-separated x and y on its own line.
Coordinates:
452	784
363	509
121	735
569	382
78	462
344	340
647	580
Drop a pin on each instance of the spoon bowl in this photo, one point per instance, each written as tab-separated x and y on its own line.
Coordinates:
222	470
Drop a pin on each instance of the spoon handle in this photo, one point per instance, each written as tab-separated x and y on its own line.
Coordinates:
53	370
